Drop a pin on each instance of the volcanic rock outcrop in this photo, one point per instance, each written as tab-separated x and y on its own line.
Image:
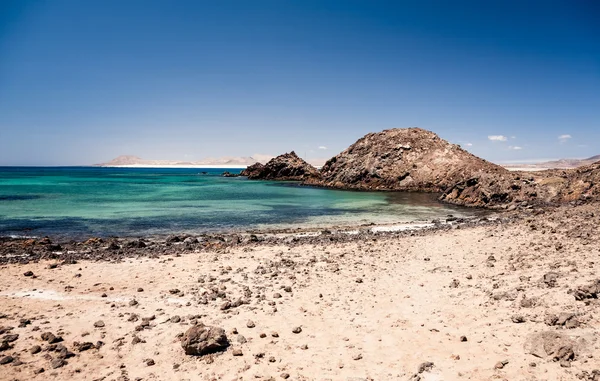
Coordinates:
549	187
283	167
410	159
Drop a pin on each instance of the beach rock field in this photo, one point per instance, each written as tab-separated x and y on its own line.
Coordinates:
516	300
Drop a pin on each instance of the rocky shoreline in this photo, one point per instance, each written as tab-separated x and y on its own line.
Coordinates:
26	250
417	160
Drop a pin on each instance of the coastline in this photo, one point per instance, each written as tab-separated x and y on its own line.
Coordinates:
207	166
466	301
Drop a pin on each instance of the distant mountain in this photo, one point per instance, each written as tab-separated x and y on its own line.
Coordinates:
134	161
558	164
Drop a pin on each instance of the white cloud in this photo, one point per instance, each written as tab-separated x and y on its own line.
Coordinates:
497	138
515	148
469	144
564	138
322	147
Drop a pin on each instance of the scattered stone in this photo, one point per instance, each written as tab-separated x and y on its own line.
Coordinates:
6	360
455	283
285	376
133	303
57	363
250	324
82	347
237	352
274	334
518	319
425	367
276	295
463	338
10	338
590	291
262	335
550	279
150	362
140	289
241	339
501	364
200	340
297	330
28	273
39	370
357	356
51	338
99	324
4	346
35	349
550	344
175	319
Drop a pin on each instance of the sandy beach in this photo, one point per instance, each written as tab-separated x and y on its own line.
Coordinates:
467	302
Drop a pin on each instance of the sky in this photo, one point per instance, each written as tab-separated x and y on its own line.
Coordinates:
82	82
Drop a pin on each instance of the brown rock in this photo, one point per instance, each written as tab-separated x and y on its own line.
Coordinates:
550	344
6	360
200	340
410	159
284	167
35	349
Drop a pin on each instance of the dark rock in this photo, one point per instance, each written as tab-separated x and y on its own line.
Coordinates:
201	340
35	349
28	273
6	360
10	338
99	324
57	363
425	367
51	338
284	167
590	291
297	330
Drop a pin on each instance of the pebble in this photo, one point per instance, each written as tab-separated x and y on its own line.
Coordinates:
250	324
150	362
297	330
237	352
6	360
99	324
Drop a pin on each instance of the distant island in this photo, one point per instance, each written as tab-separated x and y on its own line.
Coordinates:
131	161
221	162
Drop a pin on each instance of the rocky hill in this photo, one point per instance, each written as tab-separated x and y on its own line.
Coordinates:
410	159
283	167
521	189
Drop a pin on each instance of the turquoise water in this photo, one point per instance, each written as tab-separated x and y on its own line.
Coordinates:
78	202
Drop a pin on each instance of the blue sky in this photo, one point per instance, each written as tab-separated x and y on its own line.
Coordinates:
84	81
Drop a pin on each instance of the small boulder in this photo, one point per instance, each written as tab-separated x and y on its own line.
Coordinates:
201	340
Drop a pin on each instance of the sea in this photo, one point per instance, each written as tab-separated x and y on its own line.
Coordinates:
81	202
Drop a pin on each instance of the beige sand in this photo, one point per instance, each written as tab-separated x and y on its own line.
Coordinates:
368	310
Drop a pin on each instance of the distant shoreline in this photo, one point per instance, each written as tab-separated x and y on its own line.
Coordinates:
207	166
